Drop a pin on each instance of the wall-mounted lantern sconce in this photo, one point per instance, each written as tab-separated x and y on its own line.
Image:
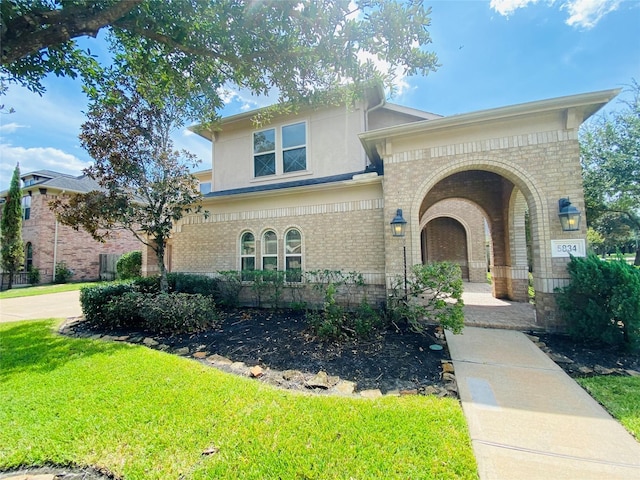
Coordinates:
398	225
569	215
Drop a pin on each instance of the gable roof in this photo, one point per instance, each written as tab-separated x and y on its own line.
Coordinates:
61	181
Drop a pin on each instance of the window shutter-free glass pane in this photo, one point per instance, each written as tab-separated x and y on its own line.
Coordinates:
270	263
294	135
270	243
294	160
294	269
265	164
294	242
248	244
248	263
264	141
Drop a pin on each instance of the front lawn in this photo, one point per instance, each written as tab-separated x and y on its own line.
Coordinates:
43	289
620	396
145	414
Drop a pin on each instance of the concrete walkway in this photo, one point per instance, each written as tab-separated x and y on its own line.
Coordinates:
51	305
530	420
481	309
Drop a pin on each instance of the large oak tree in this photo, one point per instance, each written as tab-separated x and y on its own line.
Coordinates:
610	156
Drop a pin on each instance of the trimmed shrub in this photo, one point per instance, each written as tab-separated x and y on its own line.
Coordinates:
129	265
34	275
148	284
94	299
602	302
63	273
189	283
178	313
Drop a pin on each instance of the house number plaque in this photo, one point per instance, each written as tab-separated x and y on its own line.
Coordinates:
564	248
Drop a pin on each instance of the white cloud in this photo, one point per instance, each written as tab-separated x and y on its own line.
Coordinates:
11	127
38	158
582	13
507	7
587	13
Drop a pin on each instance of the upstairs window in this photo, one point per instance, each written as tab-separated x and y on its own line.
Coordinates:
264	153
294	150
26	207
278	151
270	251
293	256
205	188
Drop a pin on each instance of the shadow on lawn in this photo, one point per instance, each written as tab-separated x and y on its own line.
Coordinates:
35	347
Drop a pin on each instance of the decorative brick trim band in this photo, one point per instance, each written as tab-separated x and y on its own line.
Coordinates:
342	207
488	145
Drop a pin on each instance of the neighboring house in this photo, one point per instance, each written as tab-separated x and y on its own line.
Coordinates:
47	242
318	190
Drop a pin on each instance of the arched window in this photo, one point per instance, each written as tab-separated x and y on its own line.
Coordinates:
293	256
247	254
270	250
28	256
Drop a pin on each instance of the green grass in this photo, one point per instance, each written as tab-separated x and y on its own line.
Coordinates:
144	414
43	289
620	396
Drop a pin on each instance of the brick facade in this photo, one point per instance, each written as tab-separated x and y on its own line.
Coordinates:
76	248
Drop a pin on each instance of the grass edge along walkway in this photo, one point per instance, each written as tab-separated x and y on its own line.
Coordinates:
43	289
145	414
620	396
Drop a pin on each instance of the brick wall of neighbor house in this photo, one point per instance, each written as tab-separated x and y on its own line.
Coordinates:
545	166
76	248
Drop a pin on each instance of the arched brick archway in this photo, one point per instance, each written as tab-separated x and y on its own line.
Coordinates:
455	230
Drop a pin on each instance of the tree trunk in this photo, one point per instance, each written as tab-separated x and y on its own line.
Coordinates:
160	248
636	262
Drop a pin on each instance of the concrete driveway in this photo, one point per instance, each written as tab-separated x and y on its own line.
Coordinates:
52	305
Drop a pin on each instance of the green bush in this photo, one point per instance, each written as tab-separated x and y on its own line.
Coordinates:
190	283
94	299
34	275
228	288
433	296
602	301
125	311
129	265
149	284
178	313
63	273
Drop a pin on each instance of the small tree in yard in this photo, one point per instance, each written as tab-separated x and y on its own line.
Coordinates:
11	228
145	184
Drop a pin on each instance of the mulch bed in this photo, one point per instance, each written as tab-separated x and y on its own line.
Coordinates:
391	360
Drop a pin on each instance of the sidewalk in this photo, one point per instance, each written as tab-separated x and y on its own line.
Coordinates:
528	419
52	305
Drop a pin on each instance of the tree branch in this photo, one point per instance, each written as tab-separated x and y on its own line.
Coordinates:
30	33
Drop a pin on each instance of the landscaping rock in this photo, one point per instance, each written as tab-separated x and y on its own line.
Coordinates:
585	370
345	387
256	371
293	376
218	360
600	370
632	373
373	393
182	351
430	390
150	342
200	354
320	380
239	367
447	367
448	377
412	391
559	358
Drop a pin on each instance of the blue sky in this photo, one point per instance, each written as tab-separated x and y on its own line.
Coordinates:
492	54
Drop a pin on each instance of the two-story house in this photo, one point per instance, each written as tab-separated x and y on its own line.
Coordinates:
48	242
318	189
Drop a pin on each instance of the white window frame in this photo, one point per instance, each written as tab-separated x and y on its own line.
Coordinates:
269	255
292	254
279	150
244	255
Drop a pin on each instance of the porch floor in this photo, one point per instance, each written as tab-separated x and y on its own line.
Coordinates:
483	310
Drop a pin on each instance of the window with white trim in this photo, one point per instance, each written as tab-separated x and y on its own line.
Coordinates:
293	255
269	251
247	254
278	151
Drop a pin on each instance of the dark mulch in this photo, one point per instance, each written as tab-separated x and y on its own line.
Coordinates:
390	360
587	359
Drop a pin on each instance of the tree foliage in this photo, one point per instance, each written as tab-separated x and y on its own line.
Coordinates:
145	185
610	156
200	46
11	228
